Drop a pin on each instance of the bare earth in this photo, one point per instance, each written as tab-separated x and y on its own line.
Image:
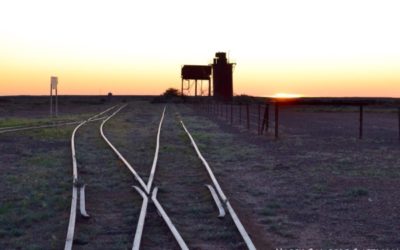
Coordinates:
317	186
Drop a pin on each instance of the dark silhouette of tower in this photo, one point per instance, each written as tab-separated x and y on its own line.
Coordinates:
222	77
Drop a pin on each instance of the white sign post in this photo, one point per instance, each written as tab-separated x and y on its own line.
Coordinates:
53	85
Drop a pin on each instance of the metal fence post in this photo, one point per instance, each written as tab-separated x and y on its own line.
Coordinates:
232	113
240	113
259	119
361	122
248	116
276	120
399	122
264	120
267	118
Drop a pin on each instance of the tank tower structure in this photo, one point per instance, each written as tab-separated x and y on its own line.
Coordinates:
222	72
196	73
222	78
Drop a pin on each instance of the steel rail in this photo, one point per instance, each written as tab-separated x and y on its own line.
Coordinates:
72	218
168	221
98	119
38	127
232	212
217	201
138	178
153	167
21	128
142	217
36	124
82	206
139	229
143	212
12	127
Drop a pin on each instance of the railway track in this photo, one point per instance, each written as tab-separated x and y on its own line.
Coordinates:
57	124
221	193
76	186
148	190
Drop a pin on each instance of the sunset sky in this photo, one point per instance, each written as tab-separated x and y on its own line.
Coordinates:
307	47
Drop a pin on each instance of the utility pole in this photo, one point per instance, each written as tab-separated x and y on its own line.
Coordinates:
53	86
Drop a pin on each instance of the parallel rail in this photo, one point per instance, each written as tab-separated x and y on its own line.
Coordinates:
122	158
145	188
143	211
22	128
72	218
232	212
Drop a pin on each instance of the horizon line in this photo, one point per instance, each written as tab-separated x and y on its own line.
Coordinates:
150	95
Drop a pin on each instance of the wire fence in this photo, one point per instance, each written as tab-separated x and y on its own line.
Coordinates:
265	118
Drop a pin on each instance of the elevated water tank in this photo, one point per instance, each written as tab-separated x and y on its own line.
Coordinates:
222	77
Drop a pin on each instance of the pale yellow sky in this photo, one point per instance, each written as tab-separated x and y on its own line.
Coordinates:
308	47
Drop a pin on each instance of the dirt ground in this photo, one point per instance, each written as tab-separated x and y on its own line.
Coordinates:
317	186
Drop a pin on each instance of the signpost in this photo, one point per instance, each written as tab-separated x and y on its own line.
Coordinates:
53	86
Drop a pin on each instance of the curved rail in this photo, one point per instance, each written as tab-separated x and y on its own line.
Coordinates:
142	217
22	128
137	176
139	228
167	220
232	212
218	203
19	128
153	167
82	206
72	217
146	188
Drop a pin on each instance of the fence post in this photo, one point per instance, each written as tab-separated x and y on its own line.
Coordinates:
361	122
240	113
248	116
226	112
259	119
231	113
264	120
276	120
399	122
267	118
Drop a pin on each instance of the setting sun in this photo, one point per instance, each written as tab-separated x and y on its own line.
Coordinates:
286	95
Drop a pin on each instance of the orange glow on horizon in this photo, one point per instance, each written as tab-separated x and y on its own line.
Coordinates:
286	95
96	47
